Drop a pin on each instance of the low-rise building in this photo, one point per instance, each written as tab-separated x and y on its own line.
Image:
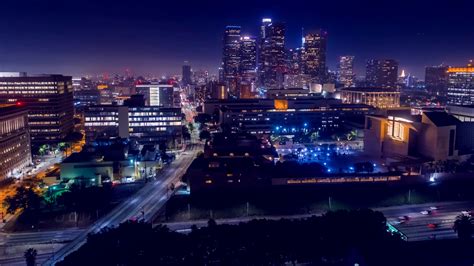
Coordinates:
432	135
377	97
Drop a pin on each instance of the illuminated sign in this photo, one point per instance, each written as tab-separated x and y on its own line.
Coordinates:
461	69
335	180
281	104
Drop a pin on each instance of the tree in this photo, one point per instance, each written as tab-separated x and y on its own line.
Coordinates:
24	198
463	226
204	135
30	256
191	127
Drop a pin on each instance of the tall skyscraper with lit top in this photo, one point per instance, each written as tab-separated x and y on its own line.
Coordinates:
345	73
272	55
315	55
231	56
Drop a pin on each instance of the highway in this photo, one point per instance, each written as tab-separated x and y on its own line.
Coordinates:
143	204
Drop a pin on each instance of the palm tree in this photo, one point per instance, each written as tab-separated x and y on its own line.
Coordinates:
30	256
463	226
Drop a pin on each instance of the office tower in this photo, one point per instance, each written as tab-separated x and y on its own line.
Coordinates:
273	55
186	79
461	85
157	94
220	74
49	99
248	54
15	149
231	57
85	93
382	73
201	77
436	80
315	55
260	51
345	74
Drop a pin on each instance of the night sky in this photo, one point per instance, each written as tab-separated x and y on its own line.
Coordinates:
154	37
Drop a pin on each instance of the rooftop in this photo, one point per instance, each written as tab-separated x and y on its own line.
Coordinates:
442	119
369	89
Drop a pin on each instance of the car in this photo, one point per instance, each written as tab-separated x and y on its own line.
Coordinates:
426	212
432	225
467	213
433	208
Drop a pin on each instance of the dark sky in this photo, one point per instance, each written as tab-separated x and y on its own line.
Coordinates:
154	36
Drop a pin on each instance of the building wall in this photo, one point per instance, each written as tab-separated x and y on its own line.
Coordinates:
15	149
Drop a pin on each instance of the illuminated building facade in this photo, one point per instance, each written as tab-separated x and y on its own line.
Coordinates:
286	116
157	94
49	99
273	55
382	73
146	124
315	56
431	135
436	80
461	85
231	57
376	97
345	74
15	150
85	93
248	54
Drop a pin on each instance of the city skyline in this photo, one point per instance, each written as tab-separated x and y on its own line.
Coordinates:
84	37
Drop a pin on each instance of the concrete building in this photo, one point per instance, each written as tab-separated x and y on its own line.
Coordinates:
49	99
157	94
395	134
436	80
376	97
315	56
15	149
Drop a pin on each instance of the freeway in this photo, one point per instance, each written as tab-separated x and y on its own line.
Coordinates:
143	204
418	227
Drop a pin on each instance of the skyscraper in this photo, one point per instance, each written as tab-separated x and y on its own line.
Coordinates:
248	54
49	99
273	55
260	51
461	85
315	55
231	56
382	73
345	74
187	80
436	80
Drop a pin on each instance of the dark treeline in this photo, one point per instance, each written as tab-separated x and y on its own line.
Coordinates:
336	238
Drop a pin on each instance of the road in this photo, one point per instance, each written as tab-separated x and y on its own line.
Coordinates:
416	228
143	204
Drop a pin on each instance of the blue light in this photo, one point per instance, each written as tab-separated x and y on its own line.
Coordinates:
131	160
305	124
325	164
375	165
351	168
329	170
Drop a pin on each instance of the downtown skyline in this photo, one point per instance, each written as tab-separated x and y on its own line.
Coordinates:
84	37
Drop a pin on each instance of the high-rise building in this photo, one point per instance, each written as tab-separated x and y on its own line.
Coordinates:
436	80
260	51
157	94
231	55
273	55
315	55
248	54
461	85
15	150
345	74
49	99
187	73
382	73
